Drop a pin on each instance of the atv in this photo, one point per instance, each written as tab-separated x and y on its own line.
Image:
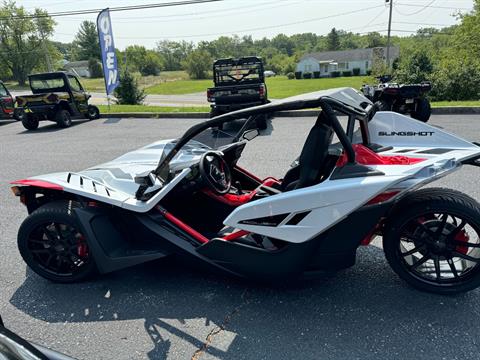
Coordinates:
404	99
189	197
239	84
56	96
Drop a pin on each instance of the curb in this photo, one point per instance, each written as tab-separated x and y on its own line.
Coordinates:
457	110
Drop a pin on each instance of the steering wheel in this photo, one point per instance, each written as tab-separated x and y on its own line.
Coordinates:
214	169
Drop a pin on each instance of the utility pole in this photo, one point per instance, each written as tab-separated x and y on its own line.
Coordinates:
389	31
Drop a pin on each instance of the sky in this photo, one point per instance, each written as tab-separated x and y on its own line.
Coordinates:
258	18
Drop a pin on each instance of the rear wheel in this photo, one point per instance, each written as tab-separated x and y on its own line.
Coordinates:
422	110
93	113
63	118
261	122
30	122
432	241
53	246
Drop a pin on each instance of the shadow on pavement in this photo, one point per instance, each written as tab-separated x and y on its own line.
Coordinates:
365	312
52	127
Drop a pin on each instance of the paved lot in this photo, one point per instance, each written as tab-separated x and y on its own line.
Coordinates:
162	310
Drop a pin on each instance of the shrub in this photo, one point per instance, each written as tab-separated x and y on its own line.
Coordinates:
346	73
335	74
298	74
95	68
307	75
291	75
316	74
128	92
368	72
356	71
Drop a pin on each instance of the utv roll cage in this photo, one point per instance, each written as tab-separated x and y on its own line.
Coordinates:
346	101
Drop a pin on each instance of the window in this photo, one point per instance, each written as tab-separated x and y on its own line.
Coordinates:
74	84
3	91
366	65
342	66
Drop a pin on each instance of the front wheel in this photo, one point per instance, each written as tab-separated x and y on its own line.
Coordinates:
93	112
432	241
422	110
63	118
53	246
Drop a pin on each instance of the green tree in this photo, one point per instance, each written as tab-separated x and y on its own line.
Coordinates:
87	41
95	68
24	43
174	53
139	59
197	64
415	68
333	40
128	92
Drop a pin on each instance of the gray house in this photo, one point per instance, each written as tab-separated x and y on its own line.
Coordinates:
346	60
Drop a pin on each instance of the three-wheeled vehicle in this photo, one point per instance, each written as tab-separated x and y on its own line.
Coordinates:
188	196
56	96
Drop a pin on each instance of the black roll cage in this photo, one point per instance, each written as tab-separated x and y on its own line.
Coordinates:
327	104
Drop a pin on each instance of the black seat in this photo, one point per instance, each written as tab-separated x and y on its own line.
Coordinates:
313	158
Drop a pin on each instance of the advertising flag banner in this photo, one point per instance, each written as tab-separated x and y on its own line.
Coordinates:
107	46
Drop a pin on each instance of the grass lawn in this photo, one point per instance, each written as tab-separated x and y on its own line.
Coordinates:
455	103
278	87
152	109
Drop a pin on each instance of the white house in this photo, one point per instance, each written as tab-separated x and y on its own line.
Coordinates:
345	60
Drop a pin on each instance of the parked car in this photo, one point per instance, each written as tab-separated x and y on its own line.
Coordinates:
239	84
56	96
402	98
269	73
7	104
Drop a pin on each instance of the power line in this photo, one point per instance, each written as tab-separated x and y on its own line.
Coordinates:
256	28
417	11
434	6
112	9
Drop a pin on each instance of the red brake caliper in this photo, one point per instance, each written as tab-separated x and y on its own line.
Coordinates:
462	236
82	248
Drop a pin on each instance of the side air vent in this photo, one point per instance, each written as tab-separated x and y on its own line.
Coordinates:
266	221
297	218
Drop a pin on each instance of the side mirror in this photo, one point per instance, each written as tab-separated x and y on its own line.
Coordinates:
250	134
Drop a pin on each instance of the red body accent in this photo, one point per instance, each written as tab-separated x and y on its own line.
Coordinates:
270	181
184	227
235	235
231	199
365	156
37	183
385	196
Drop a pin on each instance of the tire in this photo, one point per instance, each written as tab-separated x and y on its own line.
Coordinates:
423	110
381	105
29	122
63	118
93	112
261	122
43	249
18	114
413	226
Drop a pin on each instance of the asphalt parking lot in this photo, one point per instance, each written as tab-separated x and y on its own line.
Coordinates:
166	310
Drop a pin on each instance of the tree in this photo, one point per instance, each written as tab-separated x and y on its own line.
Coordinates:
174	53
95	68
128	92
87	41
197	64
333	40
415	68
24	43
147	62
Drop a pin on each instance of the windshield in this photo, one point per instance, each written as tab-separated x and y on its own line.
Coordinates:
231	132
45	84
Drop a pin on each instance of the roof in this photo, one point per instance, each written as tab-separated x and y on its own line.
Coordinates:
76	64
351	55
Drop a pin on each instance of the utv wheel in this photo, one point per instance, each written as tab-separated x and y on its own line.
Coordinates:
18	114
63	118
93	113
423	110
432	241
29	122
52	245
261	122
